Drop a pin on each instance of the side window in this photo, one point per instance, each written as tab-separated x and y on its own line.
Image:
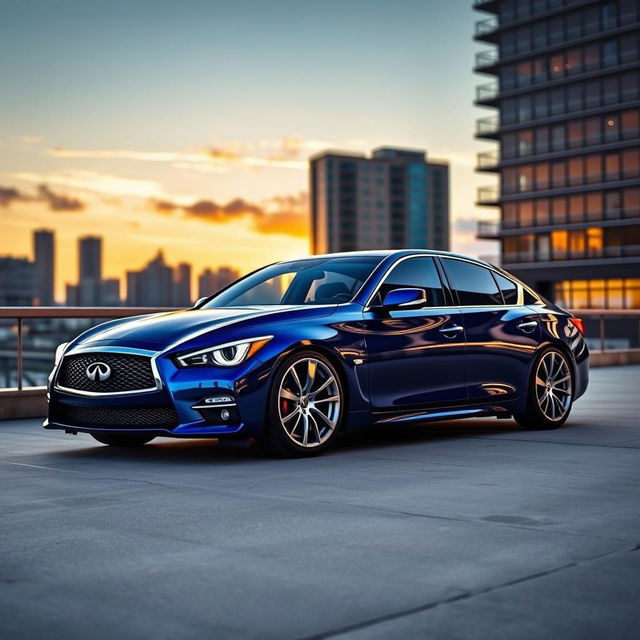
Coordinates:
475	284
508	288
418	273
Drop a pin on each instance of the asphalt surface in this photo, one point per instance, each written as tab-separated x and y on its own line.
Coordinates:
456	530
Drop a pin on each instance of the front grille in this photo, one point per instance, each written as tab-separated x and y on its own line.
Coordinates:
128	373
153	416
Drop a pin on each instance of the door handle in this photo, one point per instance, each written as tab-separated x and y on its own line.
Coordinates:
528	326
451	331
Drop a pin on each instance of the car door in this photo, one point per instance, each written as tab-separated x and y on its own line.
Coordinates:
502	333
415	357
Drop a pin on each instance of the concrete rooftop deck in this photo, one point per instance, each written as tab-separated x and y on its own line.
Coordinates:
456	530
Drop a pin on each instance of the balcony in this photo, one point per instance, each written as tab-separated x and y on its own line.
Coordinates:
485	5
486	59
485	30
488	196
487	93
488	230
488	160
487	127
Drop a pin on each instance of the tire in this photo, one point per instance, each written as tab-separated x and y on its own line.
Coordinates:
123	439
306	406
550	392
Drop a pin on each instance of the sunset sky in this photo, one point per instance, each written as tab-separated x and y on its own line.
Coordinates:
187	125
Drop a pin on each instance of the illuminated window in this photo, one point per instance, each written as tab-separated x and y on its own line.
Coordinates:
559	244
594	241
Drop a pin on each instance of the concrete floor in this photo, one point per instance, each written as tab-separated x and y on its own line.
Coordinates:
456	530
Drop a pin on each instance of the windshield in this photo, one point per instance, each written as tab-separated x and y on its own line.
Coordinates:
313	281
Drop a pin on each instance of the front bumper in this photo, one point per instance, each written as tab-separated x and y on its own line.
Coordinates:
181	407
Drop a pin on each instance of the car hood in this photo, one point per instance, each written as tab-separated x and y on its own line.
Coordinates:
167	330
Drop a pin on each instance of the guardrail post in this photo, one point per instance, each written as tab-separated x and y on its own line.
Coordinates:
602	333
19	353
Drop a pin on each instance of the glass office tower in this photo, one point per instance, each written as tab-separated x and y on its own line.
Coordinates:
566	87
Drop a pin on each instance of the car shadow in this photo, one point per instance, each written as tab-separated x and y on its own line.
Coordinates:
163	450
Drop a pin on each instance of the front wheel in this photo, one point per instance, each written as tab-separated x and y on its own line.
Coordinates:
123	439
306	406
550	392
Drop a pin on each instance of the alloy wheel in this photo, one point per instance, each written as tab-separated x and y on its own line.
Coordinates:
309	402
553	386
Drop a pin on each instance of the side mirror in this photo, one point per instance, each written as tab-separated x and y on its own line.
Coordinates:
404	299
199	301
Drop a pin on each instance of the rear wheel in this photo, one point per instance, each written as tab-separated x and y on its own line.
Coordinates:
123	439
306	406
550	394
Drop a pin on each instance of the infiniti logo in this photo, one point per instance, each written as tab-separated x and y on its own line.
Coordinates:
98	371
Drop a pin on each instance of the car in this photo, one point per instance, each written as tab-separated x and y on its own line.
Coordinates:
295	352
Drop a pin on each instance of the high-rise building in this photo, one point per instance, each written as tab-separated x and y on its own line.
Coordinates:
44	257
17	282
393	199
152	286
182	285
567	92
110	292
89	271
211	281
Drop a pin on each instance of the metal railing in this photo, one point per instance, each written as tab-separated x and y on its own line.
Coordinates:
488	195
487	91
22	314
488	229
487	125
607	330
488	159
485	27
486	58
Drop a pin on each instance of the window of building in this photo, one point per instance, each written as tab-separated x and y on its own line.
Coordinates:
558	210
557	137
628	48
611	128
525	142
542	140
525	178
575	134
542	175
593	168
525	210
510	215
631	202
556	30
559	244
612	204
557	101
612	166
542	211
576	173
576	208
556	66
473	284
592	94
594	206
592	130
558	174
630	163
573	61
541	105
594	241
630	123
574	97
610	53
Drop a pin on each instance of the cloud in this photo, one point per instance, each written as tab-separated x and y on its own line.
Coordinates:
8	195
286	215
59	201
44	193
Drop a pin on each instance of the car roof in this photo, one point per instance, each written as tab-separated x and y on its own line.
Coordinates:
384	253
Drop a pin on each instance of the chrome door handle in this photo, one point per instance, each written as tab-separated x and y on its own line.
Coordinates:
452	331
528	327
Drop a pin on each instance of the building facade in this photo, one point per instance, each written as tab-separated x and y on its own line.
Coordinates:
566	89
89	271
391	200
44	257
17	282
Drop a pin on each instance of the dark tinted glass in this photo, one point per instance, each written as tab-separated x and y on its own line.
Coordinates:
418	273
475	284
508	288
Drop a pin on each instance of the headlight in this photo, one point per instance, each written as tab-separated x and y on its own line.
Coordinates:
59	353
230	354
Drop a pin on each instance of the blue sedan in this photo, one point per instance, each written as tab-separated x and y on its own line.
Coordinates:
298	351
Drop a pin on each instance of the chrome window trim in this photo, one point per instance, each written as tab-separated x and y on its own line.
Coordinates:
489	267
152	355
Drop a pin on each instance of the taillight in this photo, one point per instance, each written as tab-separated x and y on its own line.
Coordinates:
578	324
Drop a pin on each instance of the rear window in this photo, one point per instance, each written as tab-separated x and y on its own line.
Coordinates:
474	284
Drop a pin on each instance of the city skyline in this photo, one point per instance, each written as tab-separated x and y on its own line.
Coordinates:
200	146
